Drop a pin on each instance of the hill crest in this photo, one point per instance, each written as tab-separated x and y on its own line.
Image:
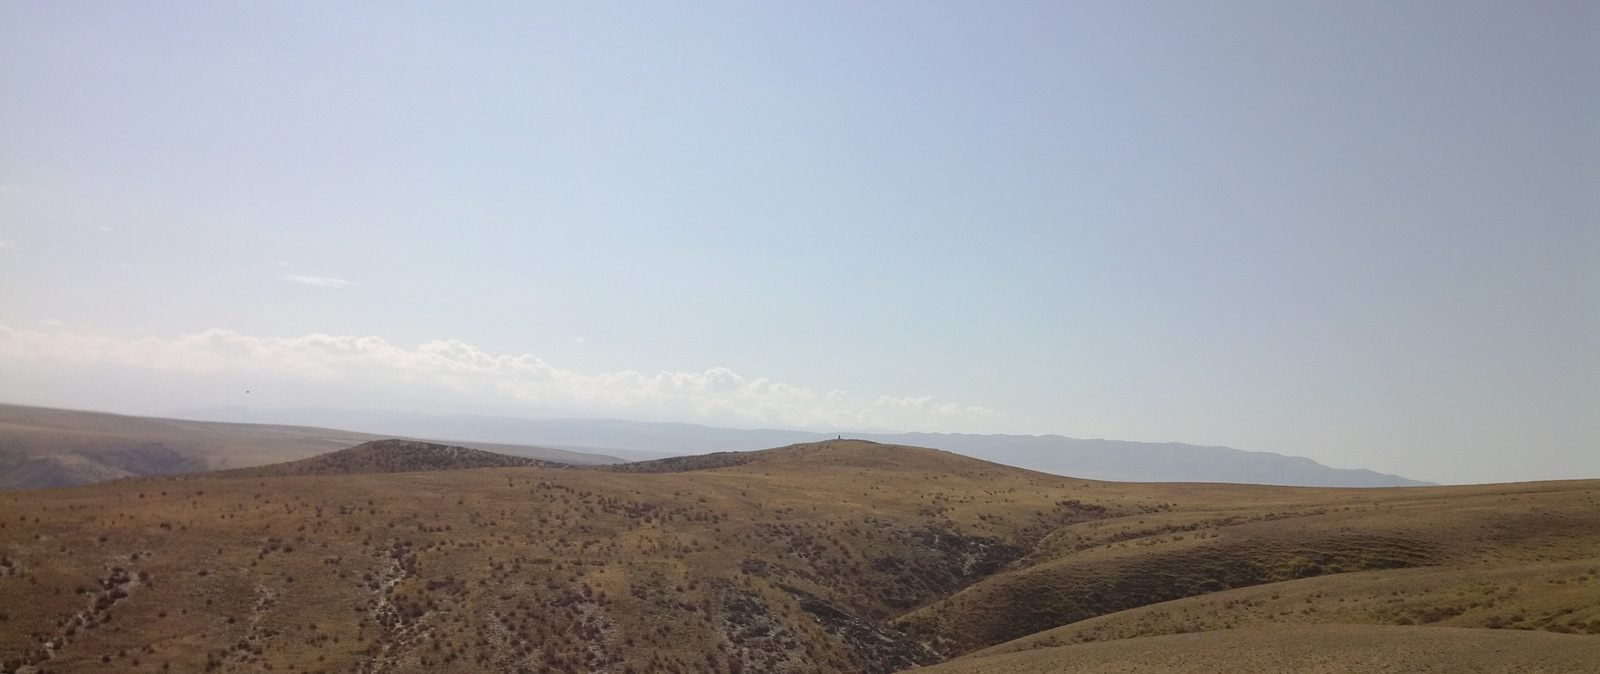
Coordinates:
853	453
393	456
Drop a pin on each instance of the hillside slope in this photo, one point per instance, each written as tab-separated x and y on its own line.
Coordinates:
1104	567
792	561
841	557
1329	649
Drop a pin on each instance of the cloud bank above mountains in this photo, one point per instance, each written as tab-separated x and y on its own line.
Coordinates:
449	370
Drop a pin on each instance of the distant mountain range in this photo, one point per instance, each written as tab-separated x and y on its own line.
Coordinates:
638	440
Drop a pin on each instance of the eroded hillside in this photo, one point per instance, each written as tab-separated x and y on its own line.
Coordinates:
843	556
1105	567
792	561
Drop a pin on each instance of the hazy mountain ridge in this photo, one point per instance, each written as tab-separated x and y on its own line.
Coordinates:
1123	460
1093	459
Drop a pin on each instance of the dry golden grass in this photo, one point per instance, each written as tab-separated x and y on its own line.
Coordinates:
1301	649
1105	567
1545	596
830	557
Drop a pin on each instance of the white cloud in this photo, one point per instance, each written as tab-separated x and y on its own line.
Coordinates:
318	281
716	395
926	405
6	244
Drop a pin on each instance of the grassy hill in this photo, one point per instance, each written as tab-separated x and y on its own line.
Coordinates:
392	456
841	556
1312	537
43	447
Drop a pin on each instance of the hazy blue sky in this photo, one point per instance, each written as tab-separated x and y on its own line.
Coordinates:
1363	232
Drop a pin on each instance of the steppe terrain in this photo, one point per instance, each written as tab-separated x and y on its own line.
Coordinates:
841	556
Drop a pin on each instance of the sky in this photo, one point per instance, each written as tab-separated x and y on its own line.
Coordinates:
1367	233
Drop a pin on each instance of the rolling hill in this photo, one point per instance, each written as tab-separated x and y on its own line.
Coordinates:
43	447
840	556
392	456
637	440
